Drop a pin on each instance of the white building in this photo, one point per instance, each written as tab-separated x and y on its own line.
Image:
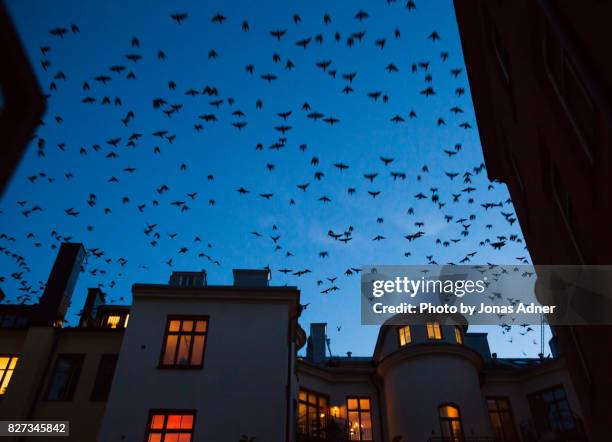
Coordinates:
216	363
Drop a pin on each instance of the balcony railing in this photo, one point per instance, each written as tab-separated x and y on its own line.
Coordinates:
335	430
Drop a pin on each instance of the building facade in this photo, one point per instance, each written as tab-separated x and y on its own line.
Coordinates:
541	83
189	361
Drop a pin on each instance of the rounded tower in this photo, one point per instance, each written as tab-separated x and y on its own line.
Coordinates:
430	379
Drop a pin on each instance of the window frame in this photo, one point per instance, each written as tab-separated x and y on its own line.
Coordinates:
504	437
568	65
102	396
78	359
566	208
400	329
458	335
194	318
106	314
166	413
441	419
359	411
439	327
323	422
10	357
531	399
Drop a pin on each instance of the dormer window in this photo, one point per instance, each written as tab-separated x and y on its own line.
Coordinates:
404	335
434	331
458	335
115	319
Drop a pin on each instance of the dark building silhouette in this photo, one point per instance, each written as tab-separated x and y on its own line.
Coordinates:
21	101
541	82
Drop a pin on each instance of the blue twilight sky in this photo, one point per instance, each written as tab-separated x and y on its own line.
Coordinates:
72	156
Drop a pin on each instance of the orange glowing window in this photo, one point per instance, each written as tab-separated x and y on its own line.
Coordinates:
7	366
184	342
359	419
112	321
313	413
433	330
458	335
450	423
170	426
404	335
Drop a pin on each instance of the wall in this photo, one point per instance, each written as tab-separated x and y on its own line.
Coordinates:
418	379
240	389
38	353
339	385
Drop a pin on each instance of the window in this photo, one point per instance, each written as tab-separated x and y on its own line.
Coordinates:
359	419
115	319
14	321
404	335
170	426
551	410
112	321
104	377
7	367
433	330
458	335
501	419
450	423
65	377
312	414
572	92
501	54
565	205
184	342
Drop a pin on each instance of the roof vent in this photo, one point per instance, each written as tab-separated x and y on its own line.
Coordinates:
188	279
251	277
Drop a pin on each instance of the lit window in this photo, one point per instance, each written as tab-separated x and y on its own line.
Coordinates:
65	377
458	335
359	419
501	419
404	335
115	319
433	330
450	423
112	321
184	343
170	426
312	414
7	366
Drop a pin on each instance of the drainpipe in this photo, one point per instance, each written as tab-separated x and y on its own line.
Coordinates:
290	335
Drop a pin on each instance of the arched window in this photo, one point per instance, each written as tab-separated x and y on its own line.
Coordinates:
450	423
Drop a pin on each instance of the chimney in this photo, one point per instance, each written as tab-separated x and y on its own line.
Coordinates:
55	300
251	277
188	279
95	298
315	350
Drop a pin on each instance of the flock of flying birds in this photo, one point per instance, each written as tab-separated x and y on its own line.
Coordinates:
466	187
